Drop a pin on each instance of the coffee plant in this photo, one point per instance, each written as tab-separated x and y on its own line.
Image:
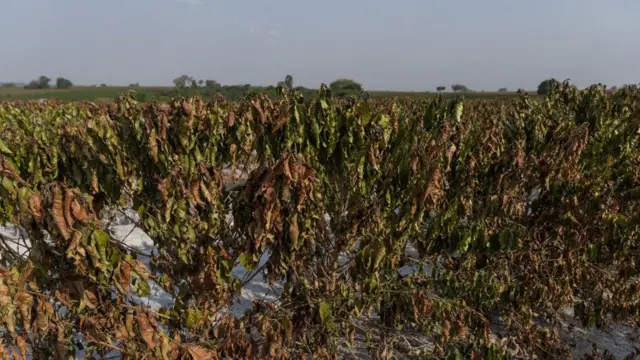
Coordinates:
472	223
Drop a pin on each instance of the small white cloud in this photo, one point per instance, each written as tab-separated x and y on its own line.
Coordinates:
272	32
252	30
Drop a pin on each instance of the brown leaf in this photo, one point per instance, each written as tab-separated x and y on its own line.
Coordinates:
57	213
231	119
63	297
163	187
258	106
286	169
45	310
140	268
352	335
3	351
461	331
90	298
25	302
79	213
24	276
446	328
68	198
199	353
22	346
73	245
35	207
7	168
153	146
121	333
125	275
146	329
95	187
282	120
195	192
206	193
128	323
294	232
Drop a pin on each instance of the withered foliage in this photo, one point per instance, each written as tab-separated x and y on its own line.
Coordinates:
518	209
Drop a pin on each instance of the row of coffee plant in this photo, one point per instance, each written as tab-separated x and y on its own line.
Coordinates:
473	224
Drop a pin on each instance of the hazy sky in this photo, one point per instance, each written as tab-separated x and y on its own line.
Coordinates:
384	44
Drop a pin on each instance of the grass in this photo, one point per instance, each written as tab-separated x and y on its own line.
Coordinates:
80	93
107	94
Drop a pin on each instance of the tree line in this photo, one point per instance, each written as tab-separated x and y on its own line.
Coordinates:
44	82
185	85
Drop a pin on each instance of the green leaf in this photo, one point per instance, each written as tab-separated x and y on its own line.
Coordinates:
326	317
101	239
142	288
247	262
193	318
4	149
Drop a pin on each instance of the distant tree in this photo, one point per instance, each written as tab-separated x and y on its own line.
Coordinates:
134	85
502	90
545	86
288	81
200	83
103	85
212	85
344	87
182	81
44	82
62	83
33	84
441	88
41	83
8	85
459	88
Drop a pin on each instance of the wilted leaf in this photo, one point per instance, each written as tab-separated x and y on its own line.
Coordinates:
146	329
57	212
199	353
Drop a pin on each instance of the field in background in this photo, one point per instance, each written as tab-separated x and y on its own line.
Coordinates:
107	94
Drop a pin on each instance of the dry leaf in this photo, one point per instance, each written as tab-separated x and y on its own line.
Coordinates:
95	187
231	119
35	207
57	213
25	302
79	213
73	245
163	187
22	346
153	146
68	198
199	353
146	329
125	275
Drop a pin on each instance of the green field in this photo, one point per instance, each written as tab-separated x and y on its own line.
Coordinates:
79	93
107	94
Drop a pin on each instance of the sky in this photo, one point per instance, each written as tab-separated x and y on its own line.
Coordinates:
385	45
